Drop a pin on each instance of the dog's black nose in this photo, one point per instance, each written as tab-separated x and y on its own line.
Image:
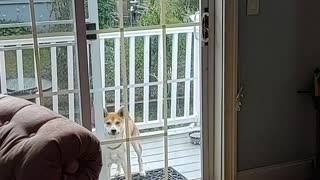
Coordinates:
113	131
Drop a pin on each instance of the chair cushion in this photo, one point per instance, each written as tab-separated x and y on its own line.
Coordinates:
38	144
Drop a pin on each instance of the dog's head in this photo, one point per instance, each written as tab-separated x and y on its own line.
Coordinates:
114	122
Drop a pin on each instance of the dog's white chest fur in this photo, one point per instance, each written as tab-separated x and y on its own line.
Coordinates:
114	155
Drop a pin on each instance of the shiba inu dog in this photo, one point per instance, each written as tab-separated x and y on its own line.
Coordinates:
115	128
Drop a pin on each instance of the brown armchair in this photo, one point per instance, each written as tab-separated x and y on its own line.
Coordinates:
38	144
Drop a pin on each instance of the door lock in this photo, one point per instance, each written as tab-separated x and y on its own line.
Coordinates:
238	99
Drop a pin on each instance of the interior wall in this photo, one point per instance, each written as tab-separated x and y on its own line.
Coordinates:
278	51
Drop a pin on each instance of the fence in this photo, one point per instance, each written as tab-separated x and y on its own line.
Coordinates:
13	50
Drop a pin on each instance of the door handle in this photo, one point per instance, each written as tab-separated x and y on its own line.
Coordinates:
304	92
317	82
205	26
316	89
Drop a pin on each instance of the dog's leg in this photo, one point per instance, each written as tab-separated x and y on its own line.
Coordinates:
108	171
138	149
118	171
124	166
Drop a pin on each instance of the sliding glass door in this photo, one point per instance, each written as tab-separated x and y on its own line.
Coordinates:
84	58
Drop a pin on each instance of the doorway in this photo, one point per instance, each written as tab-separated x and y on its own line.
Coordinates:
258	117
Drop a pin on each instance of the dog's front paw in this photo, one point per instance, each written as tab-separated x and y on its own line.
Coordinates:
117	173
142	173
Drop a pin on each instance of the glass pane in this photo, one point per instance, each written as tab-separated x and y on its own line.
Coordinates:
182	11
138	103
184	102
154	58
17	65
144	70
180	111
15	12
108	14
57	63
54	16
143	13
51	16
184	157
153	103
54	10
136	13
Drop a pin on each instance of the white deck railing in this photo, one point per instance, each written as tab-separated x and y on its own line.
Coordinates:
192	44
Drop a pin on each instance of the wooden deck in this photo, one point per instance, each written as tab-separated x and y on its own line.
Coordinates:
183	156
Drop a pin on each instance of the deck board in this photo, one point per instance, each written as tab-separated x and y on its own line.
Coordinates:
183	156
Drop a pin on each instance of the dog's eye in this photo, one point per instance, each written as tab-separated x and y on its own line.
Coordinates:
108	123
117	123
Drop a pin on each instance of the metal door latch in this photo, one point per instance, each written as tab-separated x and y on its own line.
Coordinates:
91	27
205	26
238	99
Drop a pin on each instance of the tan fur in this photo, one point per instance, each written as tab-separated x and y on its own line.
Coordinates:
133	129
115	124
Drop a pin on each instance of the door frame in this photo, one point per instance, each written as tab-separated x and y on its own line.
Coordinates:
82	58
219	91
231	89
207	75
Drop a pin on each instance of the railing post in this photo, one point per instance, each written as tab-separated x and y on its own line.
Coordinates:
97	76
20	69
187	75
132	95
160	78
71	82
54	74
196	84
117	77
36	82
97	87
175	45
3	75
36	52
146	78
103	71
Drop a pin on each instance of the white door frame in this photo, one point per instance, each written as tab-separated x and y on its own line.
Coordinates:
219	90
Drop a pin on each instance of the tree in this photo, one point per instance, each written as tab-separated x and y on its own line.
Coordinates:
107	12
177	11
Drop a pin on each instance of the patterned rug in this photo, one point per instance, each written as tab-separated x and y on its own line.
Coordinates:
157	174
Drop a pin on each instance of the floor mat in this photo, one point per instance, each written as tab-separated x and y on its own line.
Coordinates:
156	174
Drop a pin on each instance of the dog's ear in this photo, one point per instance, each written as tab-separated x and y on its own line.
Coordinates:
105	113
121	111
